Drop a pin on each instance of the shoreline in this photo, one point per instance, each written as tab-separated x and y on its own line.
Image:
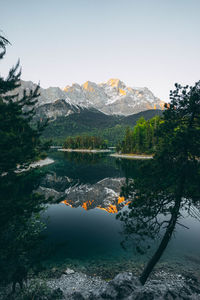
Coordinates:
42	162
132	156
71	284
86	150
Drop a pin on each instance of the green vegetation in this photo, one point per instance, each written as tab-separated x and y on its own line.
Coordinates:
142	138
93	123
160	189
169	184
20	145
85	142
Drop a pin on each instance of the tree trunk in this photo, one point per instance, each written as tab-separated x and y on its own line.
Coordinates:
167	236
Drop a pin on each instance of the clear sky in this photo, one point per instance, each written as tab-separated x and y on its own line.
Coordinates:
152	43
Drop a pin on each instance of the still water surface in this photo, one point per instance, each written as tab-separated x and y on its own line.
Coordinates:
82	228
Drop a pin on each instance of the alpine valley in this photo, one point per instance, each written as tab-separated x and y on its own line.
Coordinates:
104	109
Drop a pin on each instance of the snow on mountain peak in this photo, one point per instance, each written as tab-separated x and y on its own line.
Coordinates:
111	97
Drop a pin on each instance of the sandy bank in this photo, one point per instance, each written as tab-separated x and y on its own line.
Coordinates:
42	162
132	156
39	163
85	150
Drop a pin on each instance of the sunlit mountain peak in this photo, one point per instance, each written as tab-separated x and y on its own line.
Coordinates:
89	86
114	82
111	97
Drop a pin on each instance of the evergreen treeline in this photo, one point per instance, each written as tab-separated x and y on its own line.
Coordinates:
111	128
85	142
169	183
20	145
142	138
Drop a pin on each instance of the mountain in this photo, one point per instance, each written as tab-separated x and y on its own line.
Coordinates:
49	95
59	108
104	109
112	97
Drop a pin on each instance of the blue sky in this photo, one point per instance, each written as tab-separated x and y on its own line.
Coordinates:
152	43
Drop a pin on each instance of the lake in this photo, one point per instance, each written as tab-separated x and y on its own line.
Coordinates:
82	230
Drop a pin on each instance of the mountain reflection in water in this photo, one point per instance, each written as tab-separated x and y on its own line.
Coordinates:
81	219
90	204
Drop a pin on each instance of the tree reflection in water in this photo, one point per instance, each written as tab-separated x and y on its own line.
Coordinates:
159	195
169	184
84	158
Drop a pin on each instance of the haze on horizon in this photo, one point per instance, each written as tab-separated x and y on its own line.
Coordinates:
143	43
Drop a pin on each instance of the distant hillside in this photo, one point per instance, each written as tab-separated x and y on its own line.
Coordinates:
148	114
93	122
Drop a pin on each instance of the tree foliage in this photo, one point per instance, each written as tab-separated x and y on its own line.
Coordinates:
142	138
19	142
85	142
169	183
108	127
20	145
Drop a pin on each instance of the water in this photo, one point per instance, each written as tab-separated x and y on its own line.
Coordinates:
82	229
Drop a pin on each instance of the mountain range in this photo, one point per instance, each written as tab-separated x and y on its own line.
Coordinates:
91	108
112	97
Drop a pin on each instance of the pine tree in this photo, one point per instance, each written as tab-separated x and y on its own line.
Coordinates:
19	142
171	180
20	145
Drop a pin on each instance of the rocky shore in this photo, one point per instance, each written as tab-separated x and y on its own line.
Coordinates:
72	285
125	286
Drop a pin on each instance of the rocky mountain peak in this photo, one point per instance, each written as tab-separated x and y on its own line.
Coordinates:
71	88
114	82
111	97
89	86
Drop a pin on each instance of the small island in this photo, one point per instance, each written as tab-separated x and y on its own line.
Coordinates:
139	142
85	143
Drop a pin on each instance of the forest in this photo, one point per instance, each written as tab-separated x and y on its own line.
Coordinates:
143	138
92	123
85	142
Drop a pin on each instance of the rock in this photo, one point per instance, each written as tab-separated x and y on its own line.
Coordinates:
69	271
127	287
57	294
77	296
121	286
78	283
109	293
